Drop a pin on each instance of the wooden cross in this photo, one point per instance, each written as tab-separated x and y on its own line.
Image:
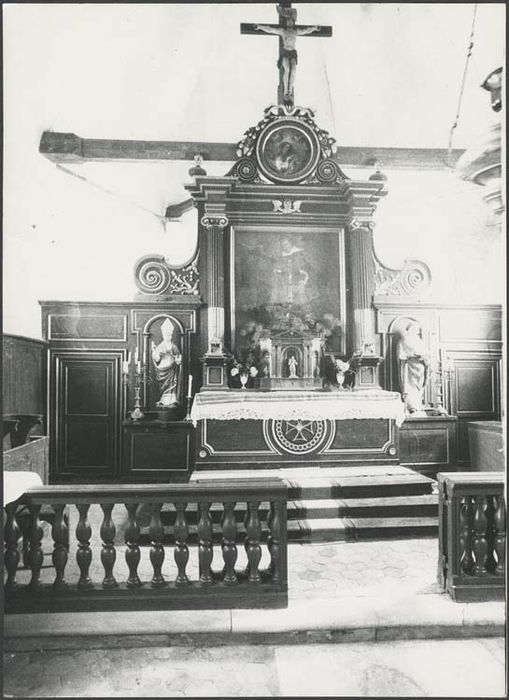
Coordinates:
288	31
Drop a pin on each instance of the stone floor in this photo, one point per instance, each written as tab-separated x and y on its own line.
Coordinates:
326	570
419	668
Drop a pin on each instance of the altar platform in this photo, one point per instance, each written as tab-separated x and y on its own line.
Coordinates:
261	430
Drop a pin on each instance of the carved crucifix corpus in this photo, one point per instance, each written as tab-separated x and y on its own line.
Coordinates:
288	31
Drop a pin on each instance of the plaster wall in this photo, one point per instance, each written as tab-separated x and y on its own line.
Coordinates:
84	69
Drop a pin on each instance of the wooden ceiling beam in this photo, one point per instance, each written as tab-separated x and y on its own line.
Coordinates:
69	148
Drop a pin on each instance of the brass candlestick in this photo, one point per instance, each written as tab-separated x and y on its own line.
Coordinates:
138	372
188	405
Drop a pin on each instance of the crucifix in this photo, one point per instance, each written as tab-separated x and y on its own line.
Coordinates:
288	31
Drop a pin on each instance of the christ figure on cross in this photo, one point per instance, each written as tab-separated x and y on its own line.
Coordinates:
288	56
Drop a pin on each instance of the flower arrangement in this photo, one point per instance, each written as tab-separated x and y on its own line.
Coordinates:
242	375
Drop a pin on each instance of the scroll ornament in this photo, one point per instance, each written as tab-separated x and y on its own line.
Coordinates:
155	275
413	279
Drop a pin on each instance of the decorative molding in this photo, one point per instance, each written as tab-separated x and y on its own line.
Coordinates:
356	224
287	206
413	279
155	275
324	170
214	221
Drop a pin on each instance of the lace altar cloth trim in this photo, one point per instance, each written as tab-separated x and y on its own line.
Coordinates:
291	405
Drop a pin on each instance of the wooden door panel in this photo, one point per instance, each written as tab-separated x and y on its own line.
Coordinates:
86	389
87	411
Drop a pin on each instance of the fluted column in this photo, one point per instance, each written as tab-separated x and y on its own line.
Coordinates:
215	226
362	270
362	266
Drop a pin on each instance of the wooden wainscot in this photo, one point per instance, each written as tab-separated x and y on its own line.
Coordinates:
157	450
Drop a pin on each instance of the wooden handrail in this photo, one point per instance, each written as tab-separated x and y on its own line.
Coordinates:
207	490
472	535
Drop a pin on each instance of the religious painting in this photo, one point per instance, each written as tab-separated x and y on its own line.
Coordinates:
286	282
287	151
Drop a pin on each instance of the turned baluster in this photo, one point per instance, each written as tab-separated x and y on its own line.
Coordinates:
253	534
228	545
465	534
84	553
181	552
36	555
479	541
60	533
490	533
270	520
108	552
205	549
156	531
275	548
11	555
132	552
499	542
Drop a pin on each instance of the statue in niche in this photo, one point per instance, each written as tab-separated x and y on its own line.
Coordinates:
167	359
413	360
292	367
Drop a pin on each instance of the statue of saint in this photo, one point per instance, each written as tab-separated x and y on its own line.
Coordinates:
413	359
167	360
288	58
292	367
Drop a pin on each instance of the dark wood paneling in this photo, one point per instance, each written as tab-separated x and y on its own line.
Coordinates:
156	451
24	376
428	442
374	434
475	387
91	327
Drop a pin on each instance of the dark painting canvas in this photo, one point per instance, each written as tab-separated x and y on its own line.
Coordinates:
285	282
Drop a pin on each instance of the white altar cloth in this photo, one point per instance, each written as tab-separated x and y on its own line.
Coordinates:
16	483
304	405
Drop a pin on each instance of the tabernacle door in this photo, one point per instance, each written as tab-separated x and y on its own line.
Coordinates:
287	279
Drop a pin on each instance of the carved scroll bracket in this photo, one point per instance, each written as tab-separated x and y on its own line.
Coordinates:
155	275
413	279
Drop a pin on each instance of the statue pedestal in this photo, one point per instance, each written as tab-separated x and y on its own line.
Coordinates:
367	373
215	371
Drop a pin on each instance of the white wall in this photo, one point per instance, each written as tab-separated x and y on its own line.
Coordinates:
131	71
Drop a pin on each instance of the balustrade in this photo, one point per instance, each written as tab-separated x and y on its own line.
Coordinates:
472	535
107	519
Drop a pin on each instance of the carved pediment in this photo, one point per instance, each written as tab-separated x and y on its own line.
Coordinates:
287	147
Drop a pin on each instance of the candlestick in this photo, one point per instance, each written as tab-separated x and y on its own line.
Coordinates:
190	386
136	358
138	366
129	358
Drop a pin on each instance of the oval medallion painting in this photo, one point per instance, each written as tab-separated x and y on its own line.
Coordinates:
287	151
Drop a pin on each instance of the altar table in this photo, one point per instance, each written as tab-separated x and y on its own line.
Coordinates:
259	429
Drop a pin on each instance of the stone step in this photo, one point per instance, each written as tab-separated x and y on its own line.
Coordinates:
346	529
360	486
401	506
385	528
